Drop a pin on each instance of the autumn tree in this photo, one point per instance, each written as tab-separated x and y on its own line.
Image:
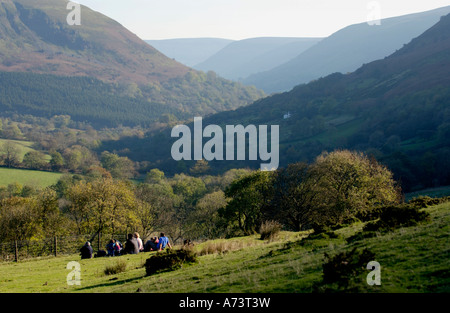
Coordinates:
103	205
19	219
350	183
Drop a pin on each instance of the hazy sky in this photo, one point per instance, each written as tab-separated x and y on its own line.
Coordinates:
240	19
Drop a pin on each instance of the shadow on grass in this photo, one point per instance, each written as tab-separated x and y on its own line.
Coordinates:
111	284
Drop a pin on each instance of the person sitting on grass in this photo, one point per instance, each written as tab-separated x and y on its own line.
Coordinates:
110	247
139	240
151	245
86	251
163	242
117	247
131	246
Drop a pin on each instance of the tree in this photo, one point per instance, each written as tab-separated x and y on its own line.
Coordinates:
294	197
79	159
205	218
119	167
350	183
155	176
104	205
200	167
12	131
19	219
188	189
56	161
10	154
48	213
249	196
34	160
162	205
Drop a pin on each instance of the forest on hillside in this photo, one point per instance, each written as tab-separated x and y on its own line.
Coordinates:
102	104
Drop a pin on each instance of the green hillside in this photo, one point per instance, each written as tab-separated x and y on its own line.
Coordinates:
23	147
33	178
412	259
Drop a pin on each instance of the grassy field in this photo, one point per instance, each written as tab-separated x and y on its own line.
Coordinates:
23	147
27	177
413	259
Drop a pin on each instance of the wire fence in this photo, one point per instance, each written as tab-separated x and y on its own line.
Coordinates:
53	246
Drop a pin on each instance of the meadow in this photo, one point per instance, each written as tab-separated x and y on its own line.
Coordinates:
40	179
412	259
23	147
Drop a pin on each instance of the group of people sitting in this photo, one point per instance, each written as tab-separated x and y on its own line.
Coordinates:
133	245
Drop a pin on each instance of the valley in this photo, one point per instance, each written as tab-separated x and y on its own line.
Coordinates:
278	164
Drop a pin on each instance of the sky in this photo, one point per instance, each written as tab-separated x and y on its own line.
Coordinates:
241	19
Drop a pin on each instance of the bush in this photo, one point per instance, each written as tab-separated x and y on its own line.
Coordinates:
345	266
425	201
393	217
169	261
118	267
269	230
370	215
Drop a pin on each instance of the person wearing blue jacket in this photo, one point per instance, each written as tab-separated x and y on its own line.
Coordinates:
163	242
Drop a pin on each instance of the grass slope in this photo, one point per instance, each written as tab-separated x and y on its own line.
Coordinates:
413	259
23	147
27	177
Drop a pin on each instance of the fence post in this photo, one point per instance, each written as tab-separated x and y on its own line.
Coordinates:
16	250
56	246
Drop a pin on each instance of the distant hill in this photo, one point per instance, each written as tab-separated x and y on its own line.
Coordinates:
242	58
395	109
189	51
36	38
346	50
94	63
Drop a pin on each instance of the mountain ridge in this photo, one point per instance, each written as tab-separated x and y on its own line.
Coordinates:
244	57
346	50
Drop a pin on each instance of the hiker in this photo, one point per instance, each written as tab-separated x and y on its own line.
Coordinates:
139	240
110	247
151	245
163	242
86	251
131	246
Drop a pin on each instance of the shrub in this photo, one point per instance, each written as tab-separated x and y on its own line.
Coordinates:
370	214
169	260
345	266
425	201
393	217
117	267
269	230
